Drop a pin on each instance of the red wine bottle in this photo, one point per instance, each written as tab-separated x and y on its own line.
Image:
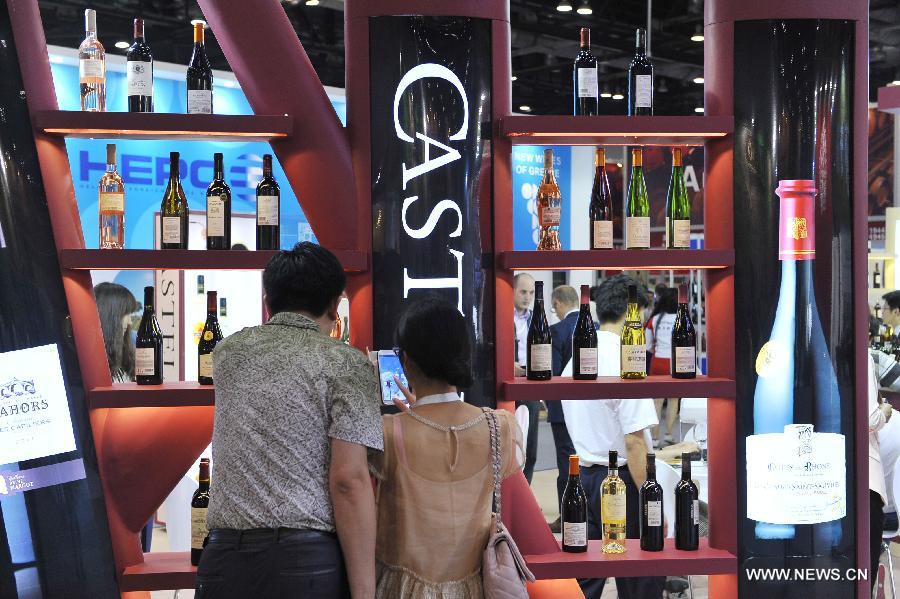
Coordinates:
199	77
687	509
209	338
539	358
148	353
584	341
684	340
640	78
653	531
139	72
585	77
268	208
199	508
573	511
601	211
218	208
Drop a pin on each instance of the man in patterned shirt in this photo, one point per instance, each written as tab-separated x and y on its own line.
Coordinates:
291	500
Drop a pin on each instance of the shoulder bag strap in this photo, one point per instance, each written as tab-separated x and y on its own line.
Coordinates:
495	462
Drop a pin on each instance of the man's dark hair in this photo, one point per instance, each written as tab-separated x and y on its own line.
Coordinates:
433	334
307	278
892	300
612	297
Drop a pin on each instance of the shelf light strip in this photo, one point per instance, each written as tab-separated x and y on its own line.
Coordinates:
616	134
156	132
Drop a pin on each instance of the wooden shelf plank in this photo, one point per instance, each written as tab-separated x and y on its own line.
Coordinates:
615	130
612	387
656	259
889	99
93	259
162	570
634	562
167	395
158	125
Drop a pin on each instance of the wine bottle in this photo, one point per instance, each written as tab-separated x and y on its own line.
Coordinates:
584	341
653	531
538	365
612	508
199	509
573	511
794	368
174	210
223	307
111	204
549	206
148	353
678	207
92	66
634	346
139	72
877	310
209	338
199	77
637	210
201	284
687	509
585	76
684	340
601	214
268	207
876	278
218	208
640	78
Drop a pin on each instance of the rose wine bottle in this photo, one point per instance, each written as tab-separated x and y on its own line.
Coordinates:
549	206
111	204
209	338
199	77
199	509
684	340
538	365
148	355
640	78
601	214
634	345
687	509
584	341
174	210
139	72
92	66
653	531
573	511
218	208
637	210
585	76
678	207
612	508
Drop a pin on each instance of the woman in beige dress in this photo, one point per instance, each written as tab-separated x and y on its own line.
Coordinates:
435	475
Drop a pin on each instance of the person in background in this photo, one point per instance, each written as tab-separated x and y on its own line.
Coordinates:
296	413
566	305
598	426
884	372
435	478
523	298
115	305
659	346
891	309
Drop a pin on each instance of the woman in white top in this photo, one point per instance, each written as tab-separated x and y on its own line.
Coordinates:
659	345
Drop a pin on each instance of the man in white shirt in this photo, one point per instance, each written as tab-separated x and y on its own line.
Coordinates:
598	426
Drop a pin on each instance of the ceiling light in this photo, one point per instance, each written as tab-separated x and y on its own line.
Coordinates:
564	6
201	21
585	8
122	45
618	96
312	2
699	110
698	34
698	80
606	94
513	78
525	108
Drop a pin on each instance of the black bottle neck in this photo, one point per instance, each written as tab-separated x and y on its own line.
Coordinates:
267	166
640	44
685	468
651	469
218	168
174	168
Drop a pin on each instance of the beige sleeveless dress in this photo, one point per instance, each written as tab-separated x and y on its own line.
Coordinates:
434	499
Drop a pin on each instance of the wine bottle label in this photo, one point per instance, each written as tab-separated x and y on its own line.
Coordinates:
587	82
643	87
140	77
171	229
541	357
215	216
680	233
267	210
612	508
587	363
638	231
654	513
634	358
206	365
199	101
112	202
574	534
685	360
695	511
145	361
91	68
603	235
550	216
198	527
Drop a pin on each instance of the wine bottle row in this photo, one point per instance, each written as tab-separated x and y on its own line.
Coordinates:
174	214
139	71
148	353
613	513
600	211
585	361
586	85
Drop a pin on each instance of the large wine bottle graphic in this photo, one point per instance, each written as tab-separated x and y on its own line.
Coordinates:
796	470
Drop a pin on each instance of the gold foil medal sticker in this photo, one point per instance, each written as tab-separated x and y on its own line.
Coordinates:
771	359
208	336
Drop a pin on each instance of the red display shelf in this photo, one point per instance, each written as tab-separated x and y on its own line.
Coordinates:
163	570
669	562
83	259
612	387
889	99
615	130
167	395
158	125
618	260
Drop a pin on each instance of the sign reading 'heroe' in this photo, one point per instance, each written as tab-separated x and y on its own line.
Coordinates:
430	132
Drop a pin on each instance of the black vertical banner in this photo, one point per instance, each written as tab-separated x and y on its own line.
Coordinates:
430	87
